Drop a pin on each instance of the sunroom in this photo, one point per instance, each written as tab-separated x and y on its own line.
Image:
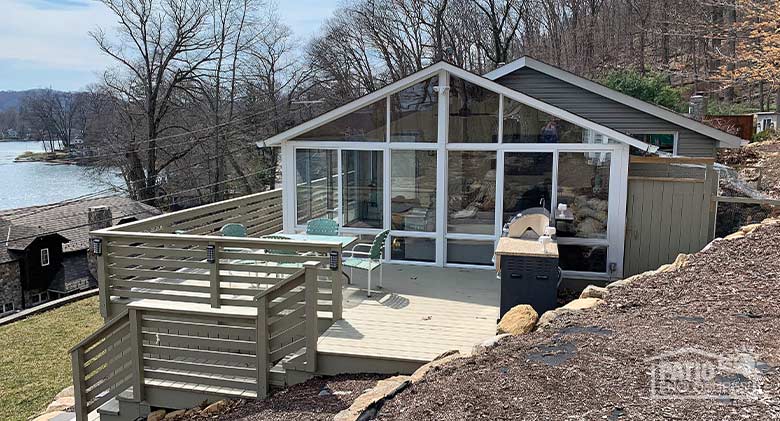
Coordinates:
444	158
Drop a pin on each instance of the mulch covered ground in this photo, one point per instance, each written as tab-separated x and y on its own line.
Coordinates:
594	364
318	399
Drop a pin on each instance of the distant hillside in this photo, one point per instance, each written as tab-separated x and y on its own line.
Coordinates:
12	99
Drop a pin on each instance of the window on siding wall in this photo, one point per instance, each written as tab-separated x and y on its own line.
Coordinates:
44	257
8	307
664	141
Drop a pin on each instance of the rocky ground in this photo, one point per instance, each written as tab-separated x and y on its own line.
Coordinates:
318	399
758	164
718	314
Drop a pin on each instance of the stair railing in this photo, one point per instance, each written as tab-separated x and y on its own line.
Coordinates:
104	365
287	323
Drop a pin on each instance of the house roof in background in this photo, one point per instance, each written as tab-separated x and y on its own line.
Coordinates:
481	81
68	219
724	139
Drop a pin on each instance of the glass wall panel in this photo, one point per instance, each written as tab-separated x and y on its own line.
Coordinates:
524	124
316	184
368	124
470	252
413	249
527	182
583	258
362	195
471	206
473	113
413	190
414	113
583	186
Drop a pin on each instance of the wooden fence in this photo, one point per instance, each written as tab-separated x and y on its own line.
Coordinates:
669	210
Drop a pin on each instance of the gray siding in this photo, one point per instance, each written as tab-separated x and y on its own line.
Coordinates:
602	110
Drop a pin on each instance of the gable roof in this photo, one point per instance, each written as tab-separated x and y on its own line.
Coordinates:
483	82
724	139
68	219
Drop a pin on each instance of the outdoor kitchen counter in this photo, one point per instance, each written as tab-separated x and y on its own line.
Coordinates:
508	246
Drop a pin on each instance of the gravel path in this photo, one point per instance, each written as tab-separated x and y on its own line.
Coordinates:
318	399
594	364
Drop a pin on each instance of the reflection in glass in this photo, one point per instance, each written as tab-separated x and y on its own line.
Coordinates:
470	252
583	185
524	124
316	184
414	113
473	113
583	258
471	192
413	190
527	182
413	249
362	196
368	124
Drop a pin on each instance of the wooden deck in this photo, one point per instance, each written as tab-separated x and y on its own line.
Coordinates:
420	313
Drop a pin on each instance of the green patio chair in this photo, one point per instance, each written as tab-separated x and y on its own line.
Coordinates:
322	226
233	230
367	260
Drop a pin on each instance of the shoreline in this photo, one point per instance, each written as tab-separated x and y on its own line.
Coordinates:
57	158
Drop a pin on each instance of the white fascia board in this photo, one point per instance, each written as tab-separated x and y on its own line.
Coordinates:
355	105
548	108
724	139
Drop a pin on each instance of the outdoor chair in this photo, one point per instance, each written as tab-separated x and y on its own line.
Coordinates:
281	262
233	230
369	258
322	226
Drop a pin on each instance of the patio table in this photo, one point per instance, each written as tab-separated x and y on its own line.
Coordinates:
345	240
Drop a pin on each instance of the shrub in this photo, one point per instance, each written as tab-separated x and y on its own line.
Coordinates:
765	135
653	87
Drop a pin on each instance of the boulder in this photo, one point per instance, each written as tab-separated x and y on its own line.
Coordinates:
519	320
630	280
551	315
583	303
217	407
488	343
679	262
61	404
157	415
175	414
735	236
422	371
372	398
65	393
747	229
592	291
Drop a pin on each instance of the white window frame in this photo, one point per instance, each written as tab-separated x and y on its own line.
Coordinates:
7	308
675	149
45	257
617	188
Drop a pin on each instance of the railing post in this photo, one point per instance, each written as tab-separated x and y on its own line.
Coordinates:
312	331
212	253
137	354
336	288
99	249
262	347
79	388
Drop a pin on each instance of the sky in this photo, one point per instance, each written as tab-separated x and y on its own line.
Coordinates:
45	43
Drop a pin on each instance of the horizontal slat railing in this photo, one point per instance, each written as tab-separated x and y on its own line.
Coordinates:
287	323
260	213
211	270
102	365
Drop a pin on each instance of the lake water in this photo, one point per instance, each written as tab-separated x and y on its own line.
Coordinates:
37	183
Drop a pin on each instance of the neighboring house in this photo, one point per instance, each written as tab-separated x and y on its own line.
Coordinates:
443	158
43	253
11	134
766	120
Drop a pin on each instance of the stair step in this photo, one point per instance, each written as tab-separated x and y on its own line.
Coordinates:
111	407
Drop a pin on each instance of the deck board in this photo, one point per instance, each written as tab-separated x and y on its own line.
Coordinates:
421	313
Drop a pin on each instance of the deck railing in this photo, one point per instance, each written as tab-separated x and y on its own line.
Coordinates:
103	365
190	307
